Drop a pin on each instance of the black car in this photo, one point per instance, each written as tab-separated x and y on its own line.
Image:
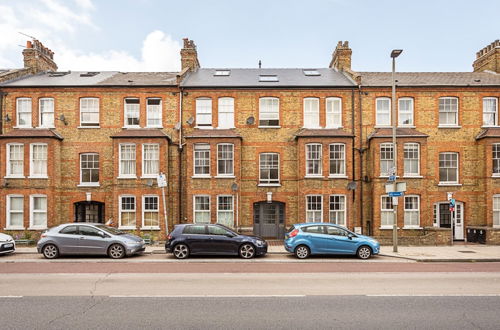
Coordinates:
215	239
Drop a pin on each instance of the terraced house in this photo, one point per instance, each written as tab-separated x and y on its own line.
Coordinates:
257	149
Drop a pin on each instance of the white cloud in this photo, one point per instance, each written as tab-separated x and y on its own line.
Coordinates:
54	21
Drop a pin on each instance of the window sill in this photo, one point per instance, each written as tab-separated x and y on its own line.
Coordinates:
225	177
312	127
268	126
38	177
89	184
201	177
496	176
269	185
232	127
412	177
22	127
127	177
45	127
154	126
150	228
91	127
126	228
204	127
407	126
338	177
489	126
38	228
451	184
383	126
387	227
412	227
334	127
14	228
134	127
14	177
451	126
318	176
149	176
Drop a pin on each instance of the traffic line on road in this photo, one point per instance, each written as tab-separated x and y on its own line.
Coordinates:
435	295
1	297
212	296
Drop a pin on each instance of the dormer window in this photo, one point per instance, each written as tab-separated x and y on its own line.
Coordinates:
268	78
222	73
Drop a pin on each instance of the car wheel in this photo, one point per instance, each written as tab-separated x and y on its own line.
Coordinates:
364	252
247	251
181	251
302	252
116	251
50	251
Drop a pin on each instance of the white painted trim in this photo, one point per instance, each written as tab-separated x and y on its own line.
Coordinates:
32	197
306	207
345	208
144	211
151	175
126	176
120	211
209	209
320	174
161	112
98	112
411	210
377	124
317	113
7	213
90	184
232	151
219	112
40	112
8	168
209	160
232	206
125	112
39	176
30	125
279	172
339	175
333	98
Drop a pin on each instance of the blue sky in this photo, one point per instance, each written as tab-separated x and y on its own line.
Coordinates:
146	35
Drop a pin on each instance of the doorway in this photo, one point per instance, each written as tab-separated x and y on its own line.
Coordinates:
443	218
269	219
89	212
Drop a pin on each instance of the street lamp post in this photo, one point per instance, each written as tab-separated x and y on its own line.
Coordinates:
395	53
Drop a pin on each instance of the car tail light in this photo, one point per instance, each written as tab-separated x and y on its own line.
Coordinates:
43	235
169	237
294	233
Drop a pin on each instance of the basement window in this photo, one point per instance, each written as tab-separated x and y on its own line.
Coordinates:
311	72
268	78
222	73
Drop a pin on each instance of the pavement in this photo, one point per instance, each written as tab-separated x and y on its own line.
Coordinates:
459	252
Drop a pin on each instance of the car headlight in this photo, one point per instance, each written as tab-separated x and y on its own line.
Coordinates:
133	243
259	243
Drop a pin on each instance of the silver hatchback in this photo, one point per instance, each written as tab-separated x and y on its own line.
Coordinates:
88	238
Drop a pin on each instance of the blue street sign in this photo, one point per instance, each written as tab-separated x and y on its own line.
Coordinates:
392	178
395	194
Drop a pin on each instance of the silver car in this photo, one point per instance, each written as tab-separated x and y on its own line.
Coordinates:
88	238
7	244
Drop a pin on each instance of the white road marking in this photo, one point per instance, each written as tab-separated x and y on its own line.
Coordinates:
211	296
434	295
10	297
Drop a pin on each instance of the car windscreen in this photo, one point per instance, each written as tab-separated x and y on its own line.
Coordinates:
110	230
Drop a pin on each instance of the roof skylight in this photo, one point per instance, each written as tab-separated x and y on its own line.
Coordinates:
311	72
268	78
222	73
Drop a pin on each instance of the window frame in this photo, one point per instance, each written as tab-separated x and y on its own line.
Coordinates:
497	159
199	114
386	211
494	112
126	113
405	159
319	160
90	184
495	211
207	148
225	211
343	161
314	212
378	112
344	209
153	106
410	112
90	124
406	211
32	160
203	211
440	111
143	165
33	211
389	160
311	111
230	174
120	211
8	160
18	112
8	212
41	112
120	159
331	113
456	170
222	109
275	113
144	211
269	182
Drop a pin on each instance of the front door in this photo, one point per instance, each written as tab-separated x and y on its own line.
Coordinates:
269	219
443	218
89	212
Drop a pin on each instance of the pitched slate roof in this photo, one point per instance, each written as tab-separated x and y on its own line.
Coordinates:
31	133
327	132
384	79
491	132
400	132
213	133
250	78
105	78
141	133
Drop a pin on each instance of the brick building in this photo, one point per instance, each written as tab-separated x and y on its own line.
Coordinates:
257	149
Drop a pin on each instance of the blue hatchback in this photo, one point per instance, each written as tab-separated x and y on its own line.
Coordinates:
304	239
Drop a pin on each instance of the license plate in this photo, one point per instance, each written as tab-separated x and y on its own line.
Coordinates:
8	245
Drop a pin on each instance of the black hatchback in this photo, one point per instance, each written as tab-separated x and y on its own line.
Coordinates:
212	239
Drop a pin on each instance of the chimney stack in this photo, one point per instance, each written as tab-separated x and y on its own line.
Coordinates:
38	58
488	58
189	55
341	57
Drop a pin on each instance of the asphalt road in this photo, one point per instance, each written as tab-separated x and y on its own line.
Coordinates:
310	312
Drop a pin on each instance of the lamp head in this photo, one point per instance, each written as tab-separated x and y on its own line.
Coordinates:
396	52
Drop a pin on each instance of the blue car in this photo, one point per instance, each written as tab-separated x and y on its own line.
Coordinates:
304	239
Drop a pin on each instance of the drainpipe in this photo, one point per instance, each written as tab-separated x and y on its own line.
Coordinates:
361	181
181	215
2	94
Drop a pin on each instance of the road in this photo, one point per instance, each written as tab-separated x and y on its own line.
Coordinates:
227	293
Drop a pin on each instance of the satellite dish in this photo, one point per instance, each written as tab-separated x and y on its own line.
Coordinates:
250	120
190	121
352	185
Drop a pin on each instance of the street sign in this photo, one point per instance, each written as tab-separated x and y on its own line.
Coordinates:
450	195
395	194
161	179
392	178
400	186
452	204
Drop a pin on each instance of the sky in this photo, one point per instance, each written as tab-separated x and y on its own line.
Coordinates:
146	35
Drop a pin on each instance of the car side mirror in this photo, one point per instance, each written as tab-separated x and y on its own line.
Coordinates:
230	235
103	235
350	236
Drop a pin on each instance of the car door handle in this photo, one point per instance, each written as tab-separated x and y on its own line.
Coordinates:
82	237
